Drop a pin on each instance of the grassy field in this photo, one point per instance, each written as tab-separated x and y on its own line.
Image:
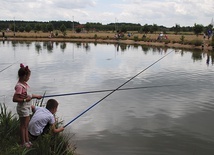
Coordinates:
101	35
181	40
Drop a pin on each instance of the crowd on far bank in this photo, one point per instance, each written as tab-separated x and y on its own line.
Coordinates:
120	35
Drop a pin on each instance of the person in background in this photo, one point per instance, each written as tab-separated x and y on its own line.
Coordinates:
23	99
43	119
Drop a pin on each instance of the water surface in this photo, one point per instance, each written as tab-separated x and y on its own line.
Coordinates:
171	115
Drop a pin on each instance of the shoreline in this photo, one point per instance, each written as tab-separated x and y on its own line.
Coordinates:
112	41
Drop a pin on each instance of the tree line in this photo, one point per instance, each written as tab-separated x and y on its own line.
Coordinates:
36	26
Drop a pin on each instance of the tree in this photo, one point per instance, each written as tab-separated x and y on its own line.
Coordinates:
21	29
123	28
146	28
28	28
63	29
154	28
197	29
37	27
177	28
78	30
44	28
87	27
50	27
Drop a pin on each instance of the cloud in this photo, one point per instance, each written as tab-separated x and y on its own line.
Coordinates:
160	12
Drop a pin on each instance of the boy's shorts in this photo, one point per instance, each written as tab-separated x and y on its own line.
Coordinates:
32	137
24	109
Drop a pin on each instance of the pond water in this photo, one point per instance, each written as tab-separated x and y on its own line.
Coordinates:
170	114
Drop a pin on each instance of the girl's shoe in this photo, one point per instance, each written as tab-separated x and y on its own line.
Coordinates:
30	143
26	145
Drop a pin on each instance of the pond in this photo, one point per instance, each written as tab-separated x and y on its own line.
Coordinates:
166	105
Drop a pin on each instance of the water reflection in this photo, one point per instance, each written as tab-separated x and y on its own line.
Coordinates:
50	46
63	46
210	58
196	55
38	46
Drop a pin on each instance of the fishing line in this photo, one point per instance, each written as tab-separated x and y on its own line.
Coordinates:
105	90
114	90
8	66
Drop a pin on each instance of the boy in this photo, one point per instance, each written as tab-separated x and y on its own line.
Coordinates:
42	119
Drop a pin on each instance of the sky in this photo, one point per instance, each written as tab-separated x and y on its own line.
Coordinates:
161	12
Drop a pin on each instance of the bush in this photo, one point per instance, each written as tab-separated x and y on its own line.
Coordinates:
49	144
9	128
197	42
136	38
95	36
78	30
56	33
212	42
182	39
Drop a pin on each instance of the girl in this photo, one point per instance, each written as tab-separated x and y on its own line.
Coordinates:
23	98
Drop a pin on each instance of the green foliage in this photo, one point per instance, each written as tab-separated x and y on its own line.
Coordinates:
166	41
198	29
123	28
8	122
62	28
56	33
146	28
197	42
44	28
78	30
18	150
28	28
209	27
9	127
154	28
87	26
64	33
212	42
50	27
52	145
177	28
55	25
38	27
95	36
144	38
182	39
21	29
136	38
48	144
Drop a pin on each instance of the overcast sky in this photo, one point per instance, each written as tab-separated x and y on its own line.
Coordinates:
160	12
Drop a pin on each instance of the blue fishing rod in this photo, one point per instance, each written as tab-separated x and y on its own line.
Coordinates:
115	90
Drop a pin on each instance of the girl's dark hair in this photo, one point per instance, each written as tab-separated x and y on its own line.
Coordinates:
51	104
23	70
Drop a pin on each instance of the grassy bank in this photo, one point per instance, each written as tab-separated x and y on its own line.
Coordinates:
49	144
181	40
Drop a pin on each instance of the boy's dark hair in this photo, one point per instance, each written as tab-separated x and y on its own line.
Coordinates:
23	70
51	104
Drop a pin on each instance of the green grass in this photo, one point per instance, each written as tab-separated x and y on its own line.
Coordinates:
49	144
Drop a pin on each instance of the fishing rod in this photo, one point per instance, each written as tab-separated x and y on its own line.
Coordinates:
42	99
106	90
93	105
8	66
